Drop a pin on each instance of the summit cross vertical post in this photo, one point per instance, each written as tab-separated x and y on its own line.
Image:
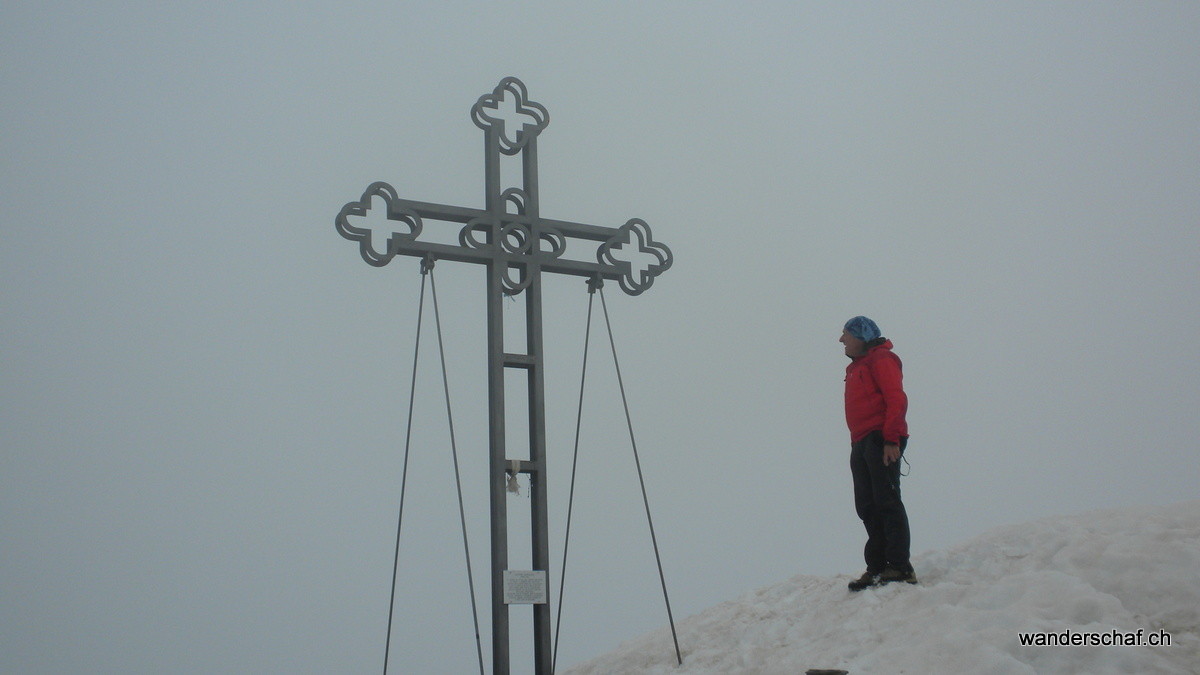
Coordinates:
509	236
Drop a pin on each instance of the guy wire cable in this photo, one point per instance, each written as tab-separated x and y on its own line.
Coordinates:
454	454
404	472
641	480
593	284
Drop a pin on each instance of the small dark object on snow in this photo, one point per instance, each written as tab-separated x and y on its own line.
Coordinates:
868	579
892	574
820	671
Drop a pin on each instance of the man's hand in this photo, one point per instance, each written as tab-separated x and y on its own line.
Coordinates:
891	454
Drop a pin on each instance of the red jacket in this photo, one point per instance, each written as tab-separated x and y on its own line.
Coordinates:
875	399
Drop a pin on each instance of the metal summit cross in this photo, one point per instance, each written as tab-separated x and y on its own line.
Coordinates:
517	244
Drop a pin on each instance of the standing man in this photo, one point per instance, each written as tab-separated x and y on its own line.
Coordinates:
875	408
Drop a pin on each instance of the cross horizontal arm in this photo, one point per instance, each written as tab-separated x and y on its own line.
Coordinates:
454	214
579	268
463	214
517	240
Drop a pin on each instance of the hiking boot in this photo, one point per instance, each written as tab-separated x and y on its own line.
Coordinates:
893	574
868	579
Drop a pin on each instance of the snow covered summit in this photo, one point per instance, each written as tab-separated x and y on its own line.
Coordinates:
1095	578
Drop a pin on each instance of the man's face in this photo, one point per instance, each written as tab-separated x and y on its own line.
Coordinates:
854	346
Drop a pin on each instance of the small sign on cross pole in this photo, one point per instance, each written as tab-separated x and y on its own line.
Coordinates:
509	236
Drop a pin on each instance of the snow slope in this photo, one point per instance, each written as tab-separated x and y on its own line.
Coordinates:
1099	572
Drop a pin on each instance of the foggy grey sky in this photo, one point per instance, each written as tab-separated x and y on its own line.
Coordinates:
203	388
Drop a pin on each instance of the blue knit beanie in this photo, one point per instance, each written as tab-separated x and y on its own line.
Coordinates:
863	328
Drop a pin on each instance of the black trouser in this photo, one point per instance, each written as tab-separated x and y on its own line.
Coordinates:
877	500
